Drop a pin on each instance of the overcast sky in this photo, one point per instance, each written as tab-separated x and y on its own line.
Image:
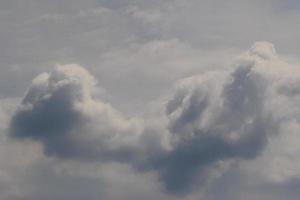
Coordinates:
149	99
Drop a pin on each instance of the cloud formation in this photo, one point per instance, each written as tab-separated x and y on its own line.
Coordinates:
217	117
137	50
59	110
213	119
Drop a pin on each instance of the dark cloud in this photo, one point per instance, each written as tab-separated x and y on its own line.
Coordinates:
59	110
213	118
47	110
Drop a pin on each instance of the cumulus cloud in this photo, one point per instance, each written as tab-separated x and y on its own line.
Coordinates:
59	110
212	120
216	117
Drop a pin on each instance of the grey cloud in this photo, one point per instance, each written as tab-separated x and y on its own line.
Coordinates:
60	111
216	117
137	50
48	108
211	121
213	118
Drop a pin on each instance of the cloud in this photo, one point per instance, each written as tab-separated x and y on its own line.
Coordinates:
59	110
212	120
217	117
137	50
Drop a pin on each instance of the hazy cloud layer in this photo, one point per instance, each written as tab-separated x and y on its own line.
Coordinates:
109	126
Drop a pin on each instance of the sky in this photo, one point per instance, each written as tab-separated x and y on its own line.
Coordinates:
149	99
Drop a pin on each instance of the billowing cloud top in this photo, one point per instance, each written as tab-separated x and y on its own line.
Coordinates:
59	110
214	119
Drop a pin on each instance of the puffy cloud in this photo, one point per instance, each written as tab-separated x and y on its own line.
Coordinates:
216	117
138	44
230	116
59	110
211	121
